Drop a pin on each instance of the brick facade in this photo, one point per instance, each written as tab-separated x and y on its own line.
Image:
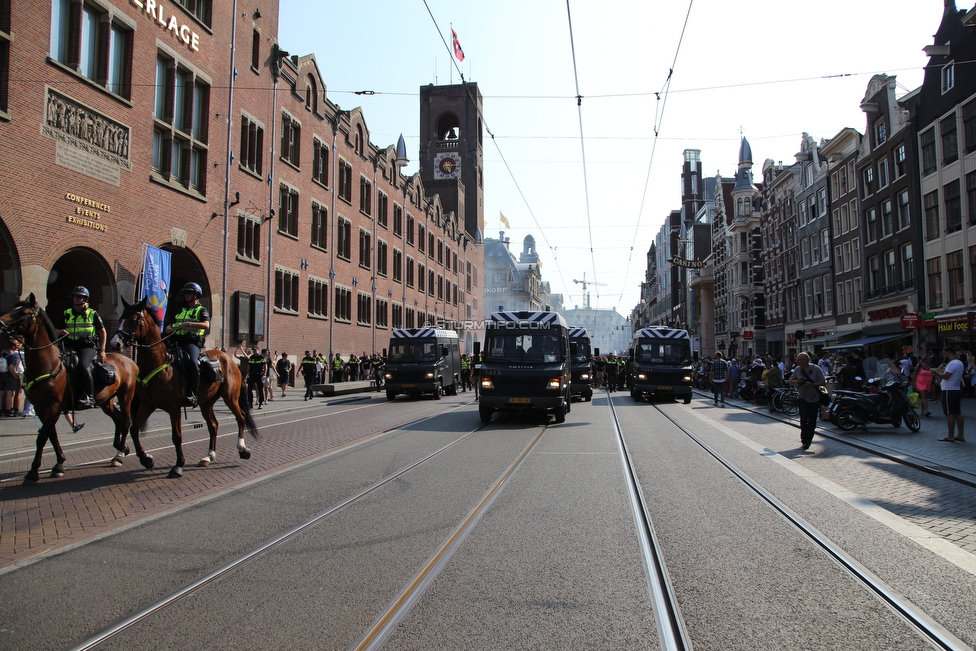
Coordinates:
75	211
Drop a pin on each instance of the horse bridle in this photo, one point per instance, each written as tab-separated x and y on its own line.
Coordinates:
11	332
128	338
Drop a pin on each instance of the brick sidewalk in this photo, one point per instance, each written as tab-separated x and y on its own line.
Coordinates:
93	497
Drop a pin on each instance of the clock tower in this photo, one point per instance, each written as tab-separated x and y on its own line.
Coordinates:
451	155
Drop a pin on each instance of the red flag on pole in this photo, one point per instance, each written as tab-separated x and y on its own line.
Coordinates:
458	52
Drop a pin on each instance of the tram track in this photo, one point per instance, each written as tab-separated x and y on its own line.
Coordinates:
386	621
920	622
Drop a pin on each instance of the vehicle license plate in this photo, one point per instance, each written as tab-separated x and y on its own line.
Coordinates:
521	401
409	386
664	387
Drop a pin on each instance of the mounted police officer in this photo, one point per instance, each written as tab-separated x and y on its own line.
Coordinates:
85	335
189	328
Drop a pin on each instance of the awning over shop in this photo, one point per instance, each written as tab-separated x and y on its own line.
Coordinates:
864	341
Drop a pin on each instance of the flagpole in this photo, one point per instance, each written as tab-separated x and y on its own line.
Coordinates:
142	275
451	67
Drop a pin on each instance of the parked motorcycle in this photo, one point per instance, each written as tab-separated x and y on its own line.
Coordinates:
889	405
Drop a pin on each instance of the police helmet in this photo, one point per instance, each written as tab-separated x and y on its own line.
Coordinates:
192	287
80	291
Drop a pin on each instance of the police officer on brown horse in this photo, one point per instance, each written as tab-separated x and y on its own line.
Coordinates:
85	334
189	328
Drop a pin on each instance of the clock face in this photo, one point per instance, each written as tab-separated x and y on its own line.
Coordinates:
447	166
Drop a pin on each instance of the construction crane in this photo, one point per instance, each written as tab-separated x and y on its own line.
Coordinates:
584	283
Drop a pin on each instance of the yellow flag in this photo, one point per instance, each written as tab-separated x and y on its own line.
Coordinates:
503	219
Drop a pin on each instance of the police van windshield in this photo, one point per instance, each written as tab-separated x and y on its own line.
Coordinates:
664	352
522	347
582	350
413	351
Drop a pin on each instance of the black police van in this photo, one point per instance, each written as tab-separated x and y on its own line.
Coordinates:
661	363
423	360
579	342
525	365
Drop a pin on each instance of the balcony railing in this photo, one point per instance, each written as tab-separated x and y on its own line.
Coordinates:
890	290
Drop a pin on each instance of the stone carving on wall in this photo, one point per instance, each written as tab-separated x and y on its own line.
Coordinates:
75	124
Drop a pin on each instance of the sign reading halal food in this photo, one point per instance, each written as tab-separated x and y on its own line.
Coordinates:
447	166
691	264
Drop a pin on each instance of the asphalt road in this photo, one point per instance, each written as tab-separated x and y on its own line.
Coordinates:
544	552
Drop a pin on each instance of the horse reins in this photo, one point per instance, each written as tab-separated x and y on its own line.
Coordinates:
10	333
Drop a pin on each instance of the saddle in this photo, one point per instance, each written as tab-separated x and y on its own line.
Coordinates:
103	373
208	367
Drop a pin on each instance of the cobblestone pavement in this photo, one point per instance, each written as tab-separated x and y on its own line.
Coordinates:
93	497
928	482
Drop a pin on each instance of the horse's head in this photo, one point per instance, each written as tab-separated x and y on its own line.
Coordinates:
138	323
18	321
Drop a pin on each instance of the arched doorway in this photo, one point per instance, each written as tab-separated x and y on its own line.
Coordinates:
11	280
82	266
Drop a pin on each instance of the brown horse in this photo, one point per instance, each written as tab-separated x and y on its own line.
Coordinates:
46	382
161	385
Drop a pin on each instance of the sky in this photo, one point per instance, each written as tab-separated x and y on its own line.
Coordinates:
593	180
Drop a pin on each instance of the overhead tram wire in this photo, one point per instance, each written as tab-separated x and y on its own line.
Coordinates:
484	123
586	183
658	120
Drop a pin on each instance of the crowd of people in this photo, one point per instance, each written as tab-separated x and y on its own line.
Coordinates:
946	376
264	371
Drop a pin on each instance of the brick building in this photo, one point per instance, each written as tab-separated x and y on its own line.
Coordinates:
186	126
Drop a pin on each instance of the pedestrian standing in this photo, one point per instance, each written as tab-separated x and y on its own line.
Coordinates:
951	377
310	369
922	380
807	378
257	376
717	376
284	368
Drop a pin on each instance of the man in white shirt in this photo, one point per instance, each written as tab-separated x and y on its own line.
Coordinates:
951	376
906	365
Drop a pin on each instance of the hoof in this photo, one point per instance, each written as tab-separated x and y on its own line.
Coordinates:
245	453
117	459
204	462
175	473
31	477
57	470
147	461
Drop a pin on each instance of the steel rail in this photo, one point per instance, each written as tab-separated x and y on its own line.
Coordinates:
928	628
380	630
672	635
133	619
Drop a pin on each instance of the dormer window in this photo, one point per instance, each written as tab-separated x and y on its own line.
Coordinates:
311	95
948	77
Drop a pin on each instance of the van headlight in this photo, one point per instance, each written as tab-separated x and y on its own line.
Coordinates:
388	376
486	383
430	375
584	376
641	376
687	378
556	383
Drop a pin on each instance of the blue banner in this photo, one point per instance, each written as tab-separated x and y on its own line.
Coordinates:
155	279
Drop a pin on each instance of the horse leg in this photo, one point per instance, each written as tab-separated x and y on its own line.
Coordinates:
118	419
208	396
174	418
235	402
42	436
135	427
58	469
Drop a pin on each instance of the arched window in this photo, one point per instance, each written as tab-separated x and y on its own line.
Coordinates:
448	128
311	95
359	139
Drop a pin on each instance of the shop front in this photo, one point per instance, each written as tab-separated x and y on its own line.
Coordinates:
957	330
890	333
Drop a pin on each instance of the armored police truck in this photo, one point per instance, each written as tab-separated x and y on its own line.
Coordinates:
423	360
579	343
526	364
661	363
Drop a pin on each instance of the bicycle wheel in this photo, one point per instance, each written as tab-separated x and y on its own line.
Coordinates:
776	401
790	403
